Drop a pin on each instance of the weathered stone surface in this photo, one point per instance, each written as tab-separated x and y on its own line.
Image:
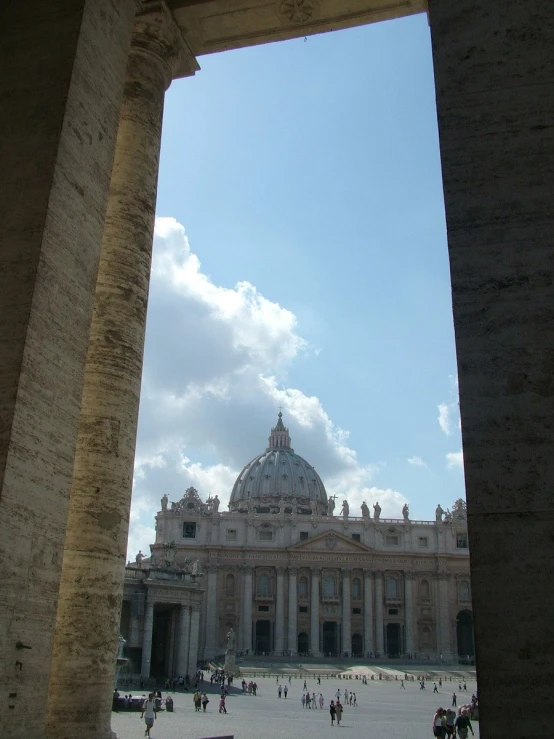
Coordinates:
87	625
61	85
495	95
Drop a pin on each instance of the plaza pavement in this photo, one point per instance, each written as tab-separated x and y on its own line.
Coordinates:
384	711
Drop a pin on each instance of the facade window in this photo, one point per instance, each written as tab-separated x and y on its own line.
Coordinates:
393	611
392	587
356	611
231	535
391	540
329	587
464	592
357	537
303	588
304	535
189	531
265	535
424	590
230	585
461	541
303	609
356	589
426	637
263	609
423	542
264	585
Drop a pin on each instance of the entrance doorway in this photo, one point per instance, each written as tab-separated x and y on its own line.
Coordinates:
263	637
464	634
330	639
394	640
303	643
357	645
161	638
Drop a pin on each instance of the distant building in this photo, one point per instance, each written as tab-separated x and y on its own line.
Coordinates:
292	577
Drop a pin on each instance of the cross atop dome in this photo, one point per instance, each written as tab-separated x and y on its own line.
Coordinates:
279	438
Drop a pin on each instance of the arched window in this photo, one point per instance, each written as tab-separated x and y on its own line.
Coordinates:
264	585
230	585
303	588
329	588
464	591
392	587
356	589
424	590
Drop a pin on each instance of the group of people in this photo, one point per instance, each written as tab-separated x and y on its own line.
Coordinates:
336	709
251	687
447	724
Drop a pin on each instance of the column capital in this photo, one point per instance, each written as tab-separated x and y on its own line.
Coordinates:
409	575
316	571
212	567
368	574
443	576
293	571
156	34
280	571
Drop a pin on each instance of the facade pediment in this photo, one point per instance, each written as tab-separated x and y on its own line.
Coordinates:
330	541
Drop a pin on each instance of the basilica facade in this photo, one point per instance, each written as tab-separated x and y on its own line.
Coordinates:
294	576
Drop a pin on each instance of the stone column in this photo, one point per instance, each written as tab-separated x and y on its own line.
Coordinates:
247	609
445	647
314	613
96	539
379	626
210	649
280	612
494	76
408	613
147	639
293	612
368	612
346	614
194	640
63	69
184	636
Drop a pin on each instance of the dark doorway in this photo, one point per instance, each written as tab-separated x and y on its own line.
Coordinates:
161	638
357	645
263	637
394	640
464	634
330	641
303	643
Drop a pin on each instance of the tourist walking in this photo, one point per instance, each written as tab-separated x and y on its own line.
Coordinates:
303	700
462	724
197	699
286	690
205	701
338	711
279	691
149	713
449	722
439	729
402	684
435	689
321	701
222	708
333	712
454	699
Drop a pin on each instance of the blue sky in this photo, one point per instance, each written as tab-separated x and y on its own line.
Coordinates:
307	173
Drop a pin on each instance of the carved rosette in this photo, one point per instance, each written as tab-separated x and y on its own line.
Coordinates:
297	12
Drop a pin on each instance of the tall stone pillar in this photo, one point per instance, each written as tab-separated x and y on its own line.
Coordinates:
314	613
379	625
96	538
210	649
184	637
408	613
280	612
194	640
293	612
63	69
346	614
247	609
368	612
147	639
444	616
494	73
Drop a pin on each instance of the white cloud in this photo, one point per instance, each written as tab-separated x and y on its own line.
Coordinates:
215	365
444	419
455	460
416	461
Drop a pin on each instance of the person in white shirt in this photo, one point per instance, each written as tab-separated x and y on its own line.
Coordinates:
149	713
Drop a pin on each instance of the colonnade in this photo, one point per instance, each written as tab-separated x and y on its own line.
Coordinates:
370	622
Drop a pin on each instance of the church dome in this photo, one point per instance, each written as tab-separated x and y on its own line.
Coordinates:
277	477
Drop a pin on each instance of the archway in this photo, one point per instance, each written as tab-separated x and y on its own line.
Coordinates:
394	640
303	643
464	635
330	641
263	637
357	645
